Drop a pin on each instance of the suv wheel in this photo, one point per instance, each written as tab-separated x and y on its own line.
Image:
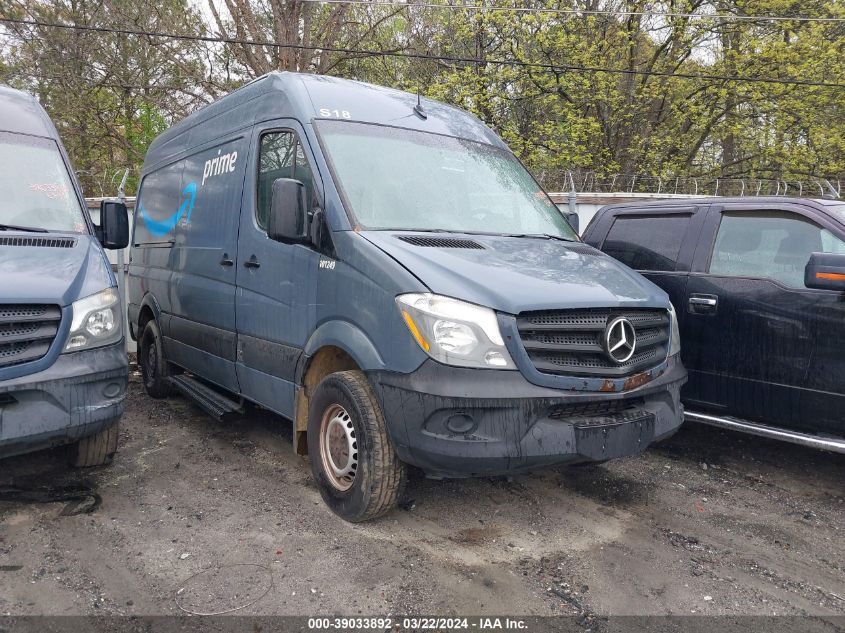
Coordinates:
353	461
97	449
154	368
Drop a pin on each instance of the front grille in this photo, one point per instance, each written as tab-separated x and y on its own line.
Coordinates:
591	409
26	332
569	342
604	413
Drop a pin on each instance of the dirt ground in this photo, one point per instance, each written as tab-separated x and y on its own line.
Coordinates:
204	517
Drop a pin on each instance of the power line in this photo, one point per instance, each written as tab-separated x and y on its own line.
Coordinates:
426	56
104	83
607	12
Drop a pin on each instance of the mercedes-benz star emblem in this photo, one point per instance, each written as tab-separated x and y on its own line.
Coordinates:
620	340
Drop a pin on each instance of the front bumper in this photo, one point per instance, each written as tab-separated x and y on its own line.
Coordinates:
455	422
80	394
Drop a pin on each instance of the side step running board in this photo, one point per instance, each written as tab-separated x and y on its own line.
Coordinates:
215	404
837	445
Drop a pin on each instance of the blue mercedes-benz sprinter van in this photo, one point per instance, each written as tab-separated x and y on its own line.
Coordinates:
63	365
384	272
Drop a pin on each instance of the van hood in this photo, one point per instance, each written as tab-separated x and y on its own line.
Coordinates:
517	274
51	268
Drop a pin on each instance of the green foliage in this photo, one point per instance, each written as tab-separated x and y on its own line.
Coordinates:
114	94
108	94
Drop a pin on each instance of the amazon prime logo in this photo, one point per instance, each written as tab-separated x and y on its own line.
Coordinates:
620	340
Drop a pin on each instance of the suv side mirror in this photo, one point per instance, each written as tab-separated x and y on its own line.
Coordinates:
288	221
825	271
113	231
573	219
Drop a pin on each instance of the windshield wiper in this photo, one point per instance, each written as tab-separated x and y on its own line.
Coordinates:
545	236
28	229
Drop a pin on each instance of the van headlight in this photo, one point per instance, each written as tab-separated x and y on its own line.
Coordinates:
96	321
675	336
455	332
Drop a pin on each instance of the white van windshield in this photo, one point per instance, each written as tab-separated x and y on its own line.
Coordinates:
35	188
395	178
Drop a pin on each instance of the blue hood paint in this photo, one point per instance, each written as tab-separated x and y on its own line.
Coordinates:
33	274
514	275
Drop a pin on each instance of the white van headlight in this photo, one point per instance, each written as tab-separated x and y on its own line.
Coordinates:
96	321
675	336
455	332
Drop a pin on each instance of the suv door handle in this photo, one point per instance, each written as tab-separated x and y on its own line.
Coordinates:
252	262
226	261
703	304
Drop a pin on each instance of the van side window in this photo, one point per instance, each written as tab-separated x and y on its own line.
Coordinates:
280	156
647	243
774	245
158	200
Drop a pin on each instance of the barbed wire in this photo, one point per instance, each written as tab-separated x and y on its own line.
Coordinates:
593	182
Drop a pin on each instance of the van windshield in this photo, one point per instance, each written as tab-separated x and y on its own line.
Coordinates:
35	188
838	211
394	178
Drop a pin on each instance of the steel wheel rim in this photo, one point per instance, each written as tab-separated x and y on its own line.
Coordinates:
338	447
152	360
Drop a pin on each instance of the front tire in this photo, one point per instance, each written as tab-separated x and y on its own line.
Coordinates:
97	449
155	370
352	458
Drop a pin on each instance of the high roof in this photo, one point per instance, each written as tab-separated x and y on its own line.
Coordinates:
304	96
20	112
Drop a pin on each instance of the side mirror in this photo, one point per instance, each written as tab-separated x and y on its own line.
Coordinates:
825	271
288	221
113	231
573	219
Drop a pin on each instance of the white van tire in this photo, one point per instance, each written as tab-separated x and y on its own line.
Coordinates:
347	434
97	449
155	370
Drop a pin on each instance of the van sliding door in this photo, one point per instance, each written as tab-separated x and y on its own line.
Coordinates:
201	333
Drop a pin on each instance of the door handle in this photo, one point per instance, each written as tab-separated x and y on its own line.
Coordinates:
252	262
701	304
226	261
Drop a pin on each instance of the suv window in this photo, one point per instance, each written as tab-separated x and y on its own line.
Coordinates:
280	156
774	245
647	243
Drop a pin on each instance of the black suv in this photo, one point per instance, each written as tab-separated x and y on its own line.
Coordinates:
759	288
